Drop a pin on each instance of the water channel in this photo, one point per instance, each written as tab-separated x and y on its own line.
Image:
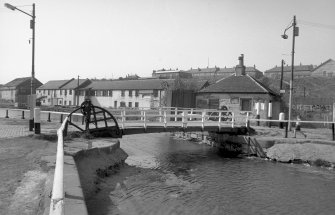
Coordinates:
169	176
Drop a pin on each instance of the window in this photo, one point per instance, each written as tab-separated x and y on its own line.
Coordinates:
44	92
213	103
64	102
324	73
105	93
122	104
43	100
70	92
136	104
65	93
110	93
48	92
130	93
60	102
130	104
245	104
115	104
70	103
60	92
122	93
155	93
136	93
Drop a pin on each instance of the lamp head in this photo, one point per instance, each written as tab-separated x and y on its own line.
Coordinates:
284	36
9	6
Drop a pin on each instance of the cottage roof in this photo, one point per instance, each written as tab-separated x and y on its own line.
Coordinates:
238	84
17	81
53	85
143	84
288	68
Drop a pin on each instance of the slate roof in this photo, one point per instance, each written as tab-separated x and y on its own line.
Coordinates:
329	60
74	83
143	84
16	82
53	85
288	68
238	84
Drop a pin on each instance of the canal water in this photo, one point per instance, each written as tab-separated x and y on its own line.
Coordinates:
164	175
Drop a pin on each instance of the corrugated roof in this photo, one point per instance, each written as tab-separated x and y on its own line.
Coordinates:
148	84
238	84
17	81
51	85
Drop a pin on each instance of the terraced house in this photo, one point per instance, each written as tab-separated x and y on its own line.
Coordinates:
142	93
61	92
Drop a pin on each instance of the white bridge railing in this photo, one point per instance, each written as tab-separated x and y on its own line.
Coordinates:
57	198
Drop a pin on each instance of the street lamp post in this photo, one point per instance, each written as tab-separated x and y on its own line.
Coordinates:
32	91
284	36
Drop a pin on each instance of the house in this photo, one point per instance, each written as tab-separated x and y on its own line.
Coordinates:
239	93
61	92
218	73
300	71
143	93
326	69
171	74
17	90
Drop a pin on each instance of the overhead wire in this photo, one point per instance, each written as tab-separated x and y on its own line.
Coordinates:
315	24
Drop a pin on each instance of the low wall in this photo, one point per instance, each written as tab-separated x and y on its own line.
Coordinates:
82	159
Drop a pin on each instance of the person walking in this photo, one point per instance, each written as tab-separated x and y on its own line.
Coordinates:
298	127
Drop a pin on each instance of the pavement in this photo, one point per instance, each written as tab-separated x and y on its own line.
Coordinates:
27	165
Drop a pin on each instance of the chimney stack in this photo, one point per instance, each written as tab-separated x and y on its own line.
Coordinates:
240	69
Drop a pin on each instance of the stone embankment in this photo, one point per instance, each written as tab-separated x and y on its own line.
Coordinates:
317	149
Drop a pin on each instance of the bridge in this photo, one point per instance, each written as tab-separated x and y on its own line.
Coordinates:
94	119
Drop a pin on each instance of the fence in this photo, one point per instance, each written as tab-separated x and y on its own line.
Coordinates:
57	198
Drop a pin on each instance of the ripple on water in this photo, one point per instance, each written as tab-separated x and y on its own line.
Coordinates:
179	177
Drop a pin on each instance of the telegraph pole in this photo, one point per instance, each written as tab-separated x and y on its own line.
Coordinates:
292	70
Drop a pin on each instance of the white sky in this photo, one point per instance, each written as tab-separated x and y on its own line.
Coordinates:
113	38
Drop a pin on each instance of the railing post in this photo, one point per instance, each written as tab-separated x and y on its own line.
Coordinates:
61	118
219	124
333	131
49	117
247	120
165	121
286	129
7	114
232	119
160	114
184	119
248	126
145	120
22	115
203	114
123	113
176	114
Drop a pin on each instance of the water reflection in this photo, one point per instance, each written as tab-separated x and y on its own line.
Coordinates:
180	177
